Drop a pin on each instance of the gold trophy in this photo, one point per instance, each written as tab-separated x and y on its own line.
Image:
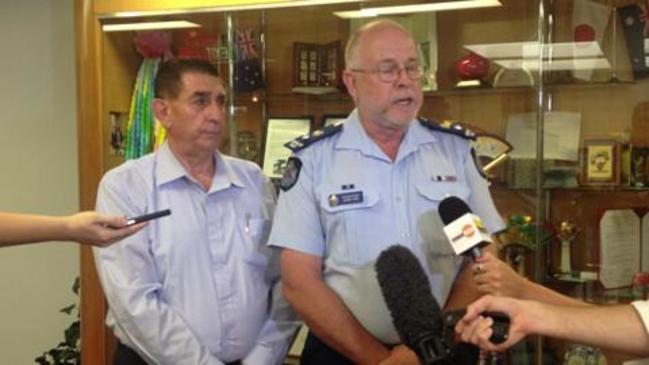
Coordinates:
566	232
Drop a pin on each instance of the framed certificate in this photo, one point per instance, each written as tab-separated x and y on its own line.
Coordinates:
600	162
280	130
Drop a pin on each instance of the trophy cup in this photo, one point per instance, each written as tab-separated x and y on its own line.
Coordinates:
566	232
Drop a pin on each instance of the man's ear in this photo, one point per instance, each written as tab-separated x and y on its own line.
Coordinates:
348	79
161	111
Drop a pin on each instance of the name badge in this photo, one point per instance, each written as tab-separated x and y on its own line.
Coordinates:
444	178
345	198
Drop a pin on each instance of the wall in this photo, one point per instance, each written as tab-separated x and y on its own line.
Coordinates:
38	160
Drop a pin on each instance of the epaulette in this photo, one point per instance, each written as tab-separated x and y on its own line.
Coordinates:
308	139
449	127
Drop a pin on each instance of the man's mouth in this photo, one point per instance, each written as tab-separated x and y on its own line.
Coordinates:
404	101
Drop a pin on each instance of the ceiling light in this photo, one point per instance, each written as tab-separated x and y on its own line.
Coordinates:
234	5
418	8
175	24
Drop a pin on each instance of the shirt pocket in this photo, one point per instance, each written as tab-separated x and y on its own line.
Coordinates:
351	227
255	233
431	193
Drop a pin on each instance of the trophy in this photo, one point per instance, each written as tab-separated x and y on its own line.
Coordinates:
566	232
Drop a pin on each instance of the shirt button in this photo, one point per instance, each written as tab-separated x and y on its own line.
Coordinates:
398	199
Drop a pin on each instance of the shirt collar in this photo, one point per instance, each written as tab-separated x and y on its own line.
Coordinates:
353	136
169	169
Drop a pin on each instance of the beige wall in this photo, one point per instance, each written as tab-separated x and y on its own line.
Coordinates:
38	164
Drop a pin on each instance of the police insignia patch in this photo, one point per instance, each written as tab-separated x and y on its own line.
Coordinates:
291	173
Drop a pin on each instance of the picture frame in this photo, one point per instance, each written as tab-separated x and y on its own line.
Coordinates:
332	119
600	162
279	131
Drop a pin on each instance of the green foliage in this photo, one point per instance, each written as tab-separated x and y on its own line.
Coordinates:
68	351
523	230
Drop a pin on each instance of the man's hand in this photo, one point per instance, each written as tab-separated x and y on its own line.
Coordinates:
401	355
98	229
493	276
476	329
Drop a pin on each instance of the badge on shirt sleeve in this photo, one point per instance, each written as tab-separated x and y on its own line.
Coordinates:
291	173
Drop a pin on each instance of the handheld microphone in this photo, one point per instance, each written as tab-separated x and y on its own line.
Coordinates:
417	317
465	230
415	312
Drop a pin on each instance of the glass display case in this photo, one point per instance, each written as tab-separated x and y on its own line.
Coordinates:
556	90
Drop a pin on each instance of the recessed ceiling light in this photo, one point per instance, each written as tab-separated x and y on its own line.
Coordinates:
173	24
418	8
233	6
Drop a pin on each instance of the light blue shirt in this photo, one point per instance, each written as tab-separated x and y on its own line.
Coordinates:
324	213
193	287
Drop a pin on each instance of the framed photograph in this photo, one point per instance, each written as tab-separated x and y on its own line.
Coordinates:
332	119
280	130
600	164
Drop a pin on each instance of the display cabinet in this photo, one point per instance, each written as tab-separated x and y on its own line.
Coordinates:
562	82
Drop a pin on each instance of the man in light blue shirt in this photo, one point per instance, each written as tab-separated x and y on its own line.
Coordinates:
199	286
352	190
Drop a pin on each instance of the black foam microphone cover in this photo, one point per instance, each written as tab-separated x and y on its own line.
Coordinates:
415	313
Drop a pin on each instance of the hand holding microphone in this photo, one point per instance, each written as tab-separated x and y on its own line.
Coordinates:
418	318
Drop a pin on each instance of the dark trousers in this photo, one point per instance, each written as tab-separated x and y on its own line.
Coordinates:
124	355
317	352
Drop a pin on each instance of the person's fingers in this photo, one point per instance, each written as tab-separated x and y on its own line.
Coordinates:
107	235
468	333
114	221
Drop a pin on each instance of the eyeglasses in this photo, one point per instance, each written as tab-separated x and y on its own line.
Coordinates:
392	72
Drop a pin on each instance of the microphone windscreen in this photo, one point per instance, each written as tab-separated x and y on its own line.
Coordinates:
452	208
415	312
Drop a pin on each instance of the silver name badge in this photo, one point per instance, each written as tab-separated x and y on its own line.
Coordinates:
444	178
345	198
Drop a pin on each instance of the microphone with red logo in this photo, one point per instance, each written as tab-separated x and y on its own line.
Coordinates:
465	230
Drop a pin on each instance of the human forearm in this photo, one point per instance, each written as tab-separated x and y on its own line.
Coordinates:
143	318
277	333
85	227
613	327
329	319
324	312
18	229
464	290
534	291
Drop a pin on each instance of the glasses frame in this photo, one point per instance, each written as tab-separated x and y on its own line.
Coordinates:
396	72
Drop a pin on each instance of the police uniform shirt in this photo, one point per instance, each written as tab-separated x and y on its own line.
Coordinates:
350	201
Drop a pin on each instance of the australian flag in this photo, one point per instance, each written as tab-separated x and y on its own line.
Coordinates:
247	69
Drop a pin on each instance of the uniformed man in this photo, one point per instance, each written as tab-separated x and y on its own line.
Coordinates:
354	189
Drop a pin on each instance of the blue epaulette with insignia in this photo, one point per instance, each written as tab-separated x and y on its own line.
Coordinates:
447	127
308	139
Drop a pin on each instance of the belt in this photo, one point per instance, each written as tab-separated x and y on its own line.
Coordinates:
236	362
